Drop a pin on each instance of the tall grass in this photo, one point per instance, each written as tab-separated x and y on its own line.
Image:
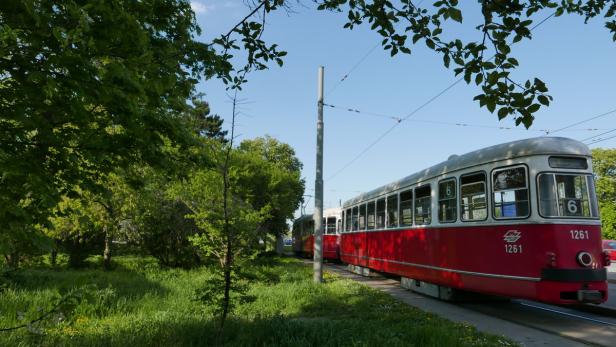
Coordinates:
139	304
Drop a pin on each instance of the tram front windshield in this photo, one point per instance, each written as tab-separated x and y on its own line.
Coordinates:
567	195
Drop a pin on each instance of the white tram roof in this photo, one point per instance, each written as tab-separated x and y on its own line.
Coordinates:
504	151
328	212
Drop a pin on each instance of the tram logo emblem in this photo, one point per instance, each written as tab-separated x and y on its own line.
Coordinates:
512	236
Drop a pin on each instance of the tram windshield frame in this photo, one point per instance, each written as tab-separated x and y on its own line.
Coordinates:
567	195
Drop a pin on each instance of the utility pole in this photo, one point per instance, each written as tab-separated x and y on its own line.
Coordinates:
318	189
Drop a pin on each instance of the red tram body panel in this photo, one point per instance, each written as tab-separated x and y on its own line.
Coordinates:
330	246
472	258
516	220
303	234
308	246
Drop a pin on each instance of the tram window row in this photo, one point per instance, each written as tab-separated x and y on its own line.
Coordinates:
560	195
331	226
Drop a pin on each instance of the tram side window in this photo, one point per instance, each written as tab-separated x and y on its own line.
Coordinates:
447	209
308	227
355	218
406	208
510	193
423	203
371	218
567	195
380	213
295	230
347	220
392	211
339	226
362	217
473	197
331	225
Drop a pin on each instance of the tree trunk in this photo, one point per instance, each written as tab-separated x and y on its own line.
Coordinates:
227	273
76	253
12	260
54	257
107	251
279	244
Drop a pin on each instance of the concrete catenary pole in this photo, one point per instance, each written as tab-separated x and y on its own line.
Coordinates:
318	189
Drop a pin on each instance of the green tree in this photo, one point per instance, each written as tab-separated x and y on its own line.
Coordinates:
89	221
77	225
162	228
118	200
604	166
221	203
90	86
282	187
87	86
202	122
608	220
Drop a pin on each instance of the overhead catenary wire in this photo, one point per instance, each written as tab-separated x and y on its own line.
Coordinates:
354	110
600	140
460	124
585	120
338	190
598	135
363	152
352	69
411	114
359	62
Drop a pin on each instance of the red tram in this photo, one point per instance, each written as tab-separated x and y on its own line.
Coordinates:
303	234
518	219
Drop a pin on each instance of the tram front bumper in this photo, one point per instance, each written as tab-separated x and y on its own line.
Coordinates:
589	296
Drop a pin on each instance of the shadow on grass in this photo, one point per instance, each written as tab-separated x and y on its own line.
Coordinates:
124	282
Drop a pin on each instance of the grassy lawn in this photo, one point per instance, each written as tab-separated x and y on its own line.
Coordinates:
139	304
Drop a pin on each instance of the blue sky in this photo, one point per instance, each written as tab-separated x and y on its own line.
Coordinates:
575	60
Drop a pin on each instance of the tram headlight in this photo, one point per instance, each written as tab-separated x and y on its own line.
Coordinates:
584	258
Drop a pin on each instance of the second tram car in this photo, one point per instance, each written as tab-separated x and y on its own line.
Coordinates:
303	234
518	219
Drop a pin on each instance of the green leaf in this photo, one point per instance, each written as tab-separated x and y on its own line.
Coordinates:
533	108
491	104
467	76
455	14
559	12
540	85
527	120
492	77
446	60
503	112
478	78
